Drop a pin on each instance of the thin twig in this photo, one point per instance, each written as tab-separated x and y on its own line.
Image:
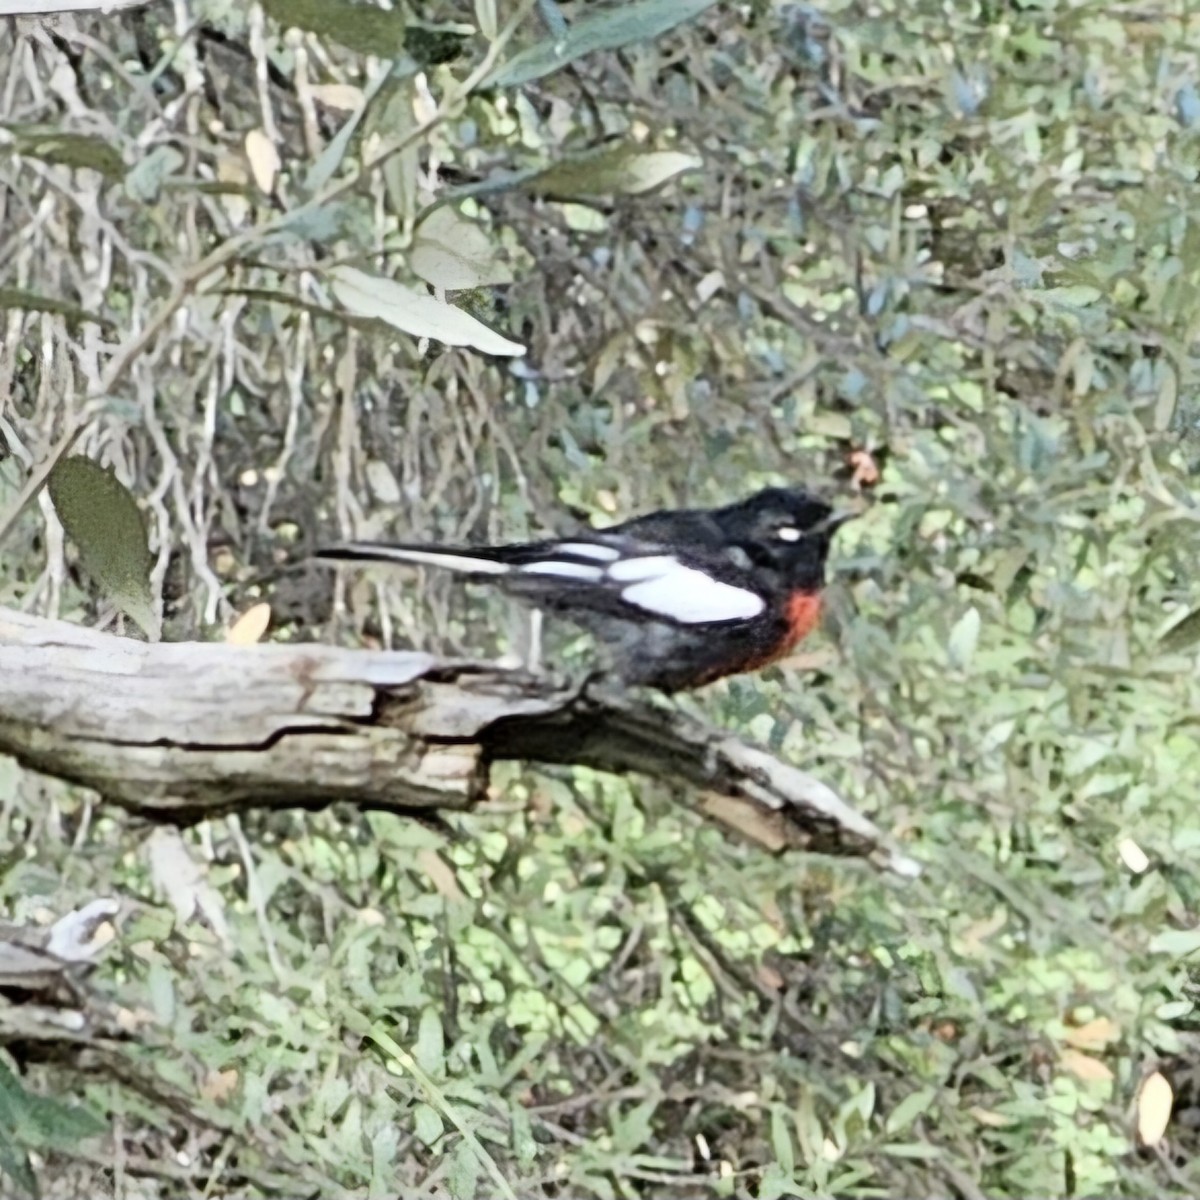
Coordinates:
230	249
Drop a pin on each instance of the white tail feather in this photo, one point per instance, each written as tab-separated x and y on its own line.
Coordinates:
370	551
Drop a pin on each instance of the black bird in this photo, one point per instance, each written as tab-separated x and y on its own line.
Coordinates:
677	598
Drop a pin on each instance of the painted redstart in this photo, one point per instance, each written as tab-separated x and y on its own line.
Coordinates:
677	598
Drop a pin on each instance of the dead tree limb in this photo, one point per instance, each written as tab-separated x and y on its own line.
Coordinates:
183	731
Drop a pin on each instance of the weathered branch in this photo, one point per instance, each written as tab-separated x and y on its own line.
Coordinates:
181	731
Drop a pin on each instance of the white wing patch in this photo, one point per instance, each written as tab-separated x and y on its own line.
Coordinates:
664	586
655	583
650	567
566	570
590	550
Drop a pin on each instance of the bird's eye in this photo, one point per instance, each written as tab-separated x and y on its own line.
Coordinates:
788	533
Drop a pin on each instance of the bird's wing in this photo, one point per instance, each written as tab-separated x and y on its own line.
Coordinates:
603	572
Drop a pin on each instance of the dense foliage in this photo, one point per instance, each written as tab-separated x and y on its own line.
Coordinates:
958	237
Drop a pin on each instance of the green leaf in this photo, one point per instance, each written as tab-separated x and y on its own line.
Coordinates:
69	150
524	1144
1183	635
620	170
909	1109
1179	943
781	1142
964	637
620	25
427	1123
363	28
430	1049
462	1175
1076	295
103	520
392	120
30	1121
51	1123
11	297
15	1164
911	1150
451	252
331	157
415	312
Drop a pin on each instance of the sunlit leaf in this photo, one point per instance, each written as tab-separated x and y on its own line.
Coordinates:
485	16
609	29
1177	942
451	252
964	637
1133	856
1154	1103
250	626
102	519
612	170
415	312
264	159
1085	1067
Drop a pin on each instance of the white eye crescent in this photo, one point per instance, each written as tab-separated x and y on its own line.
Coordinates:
788	533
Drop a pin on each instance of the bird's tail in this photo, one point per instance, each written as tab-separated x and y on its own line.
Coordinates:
451	558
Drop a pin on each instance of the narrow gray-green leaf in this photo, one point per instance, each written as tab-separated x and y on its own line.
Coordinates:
363	28
451	252
393	119
34	302
102	519
620	170
964	637
333	154
611	169
414	312
616	26
430	1050
72	150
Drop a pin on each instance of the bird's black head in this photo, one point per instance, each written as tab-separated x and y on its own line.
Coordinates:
786	529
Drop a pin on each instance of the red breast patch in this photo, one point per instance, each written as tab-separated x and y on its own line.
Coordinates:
803	611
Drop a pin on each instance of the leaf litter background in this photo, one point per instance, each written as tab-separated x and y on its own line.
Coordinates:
960	238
